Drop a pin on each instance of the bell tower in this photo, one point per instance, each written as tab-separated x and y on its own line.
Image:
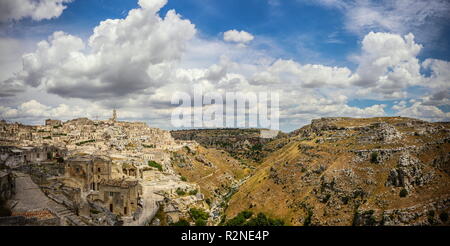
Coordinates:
114	116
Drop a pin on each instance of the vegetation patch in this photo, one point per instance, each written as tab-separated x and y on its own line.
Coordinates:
155	165
374	157
181	192
85	142
199	216
246	218
403	193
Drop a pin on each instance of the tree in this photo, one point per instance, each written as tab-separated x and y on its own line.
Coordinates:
403	193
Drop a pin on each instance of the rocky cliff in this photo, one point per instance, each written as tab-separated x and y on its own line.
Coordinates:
344	171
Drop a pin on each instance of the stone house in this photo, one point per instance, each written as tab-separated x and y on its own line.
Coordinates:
36	154
51	122
11	156
121	197
132	171
86	172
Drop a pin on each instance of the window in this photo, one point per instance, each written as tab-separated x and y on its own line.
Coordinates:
110	208
99	169
111	194
125	210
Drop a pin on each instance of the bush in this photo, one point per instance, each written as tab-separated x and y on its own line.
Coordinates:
257	147
208	201
244	218
443	216
239	220
197	213
308	218
374	157
431	217
181	222
85	142
200	222
247	214
403	193
155	165
180	192
262	220
193	192
183	178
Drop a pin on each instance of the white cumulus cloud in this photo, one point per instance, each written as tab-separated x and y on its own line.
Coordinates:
35	9
235	36
122	56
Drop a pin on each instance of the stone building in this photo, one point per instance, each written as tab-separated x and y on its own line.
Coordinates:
132	171
14	157
51	122
86	172
121	197
11	157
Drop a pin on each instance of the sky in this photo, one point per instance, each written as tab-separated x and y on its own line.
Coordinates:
65	59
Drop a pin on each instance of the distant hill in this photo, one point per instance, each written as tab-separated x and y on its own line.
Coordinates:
244	144
345	171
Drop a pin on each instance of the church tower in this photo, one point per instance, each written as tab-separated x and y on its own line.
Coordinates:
114	117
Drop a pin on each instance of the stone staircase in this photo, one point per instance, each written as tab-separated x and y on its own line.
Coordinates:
68	217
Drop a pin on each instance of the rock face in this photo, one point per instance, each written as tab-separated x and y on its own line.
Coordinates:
344	171
408	173
245	144
379	132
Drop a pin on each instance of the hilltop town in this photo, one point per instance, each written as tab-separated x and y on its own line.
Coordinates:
91	172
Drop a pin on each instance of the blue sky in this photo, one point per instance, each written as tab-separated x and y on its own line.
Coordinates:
293	24
326	33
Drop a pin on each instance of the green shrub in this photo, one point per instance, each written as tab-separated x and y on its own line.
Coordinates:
374	157
193	192
239	220
247	214
245	218
262	220
208	201
403	193
308	218
155	165
181	222
443	216
180	192
200	222
257	147
197	213
183	178
85	142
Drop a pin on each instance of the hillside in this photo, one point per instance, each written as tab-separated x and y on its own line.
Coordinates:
215	171
246	145
344	171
